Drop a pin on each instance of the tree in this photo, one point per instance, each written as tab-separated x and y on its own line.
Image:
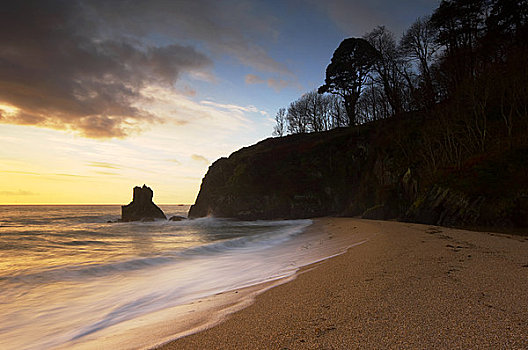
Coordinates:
312	112
508	17
348	70
336	111
388	66
418	42
460	24
315	111
280	123
297	118
373	104
507	28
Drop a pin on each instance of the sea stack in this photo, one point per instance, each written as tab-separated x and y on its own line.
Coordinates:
141	208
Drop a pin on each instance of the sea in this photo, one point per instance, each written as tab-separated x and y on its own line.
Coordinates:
68	272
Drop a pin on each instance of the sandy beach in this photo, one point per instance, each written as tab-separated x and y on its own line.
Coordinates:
408	286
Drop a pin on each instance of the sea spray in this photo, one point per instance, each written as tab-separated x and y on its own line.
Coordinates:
66	273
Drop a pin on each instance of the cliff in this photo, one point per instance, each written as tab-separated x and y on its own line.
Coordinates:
141	208
373	171
297	176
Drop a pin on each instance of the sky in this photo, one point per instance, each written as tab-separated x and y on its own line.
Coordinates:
97	97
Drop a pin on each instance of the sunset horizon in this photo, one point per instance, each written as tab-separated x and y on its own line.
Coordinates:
140	94
249	174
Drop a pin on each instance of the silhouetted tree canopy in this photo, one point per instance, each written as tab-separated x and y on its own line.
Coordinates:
314	112
349	68
460	76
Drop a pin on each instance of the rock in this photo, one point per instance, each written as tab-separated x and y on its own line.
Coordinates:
141	208
292	177
410	185
447	207
362	171
177	218
375	213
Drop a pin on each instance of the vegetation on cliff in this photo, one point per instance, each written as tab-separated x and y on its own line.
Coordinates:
438	130
362	171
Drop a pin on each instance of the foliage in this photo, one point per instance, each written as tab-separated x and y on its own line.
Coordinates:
312	112
464	67
348	70
447	104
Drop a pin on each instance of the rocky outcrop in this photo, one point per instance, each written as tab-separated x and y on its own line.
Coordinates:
446	207
367	172
297	176
177	218
141	208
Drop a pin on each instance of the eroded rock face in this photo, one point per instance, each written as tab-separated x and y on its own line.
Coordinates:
361	172
141	208
294	177
447	207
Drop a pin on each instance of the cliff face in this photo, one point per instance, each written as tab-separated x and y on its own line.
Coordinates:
353	171
298	176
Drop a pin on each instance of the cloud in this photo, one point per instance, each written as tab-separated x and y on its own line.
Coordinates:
106	173
232	27
357	17
199	158
42	174
254	79
84	66
180	110
69	175
208	77
189	91
17	193
234	108
275	84
59	74
103	165
19	172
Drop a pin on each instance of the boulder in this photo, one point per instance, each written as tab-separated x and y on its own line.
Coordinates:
141	208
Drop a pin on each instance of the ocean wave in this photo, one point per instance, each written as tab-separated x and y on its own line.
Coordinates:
254	242
272	234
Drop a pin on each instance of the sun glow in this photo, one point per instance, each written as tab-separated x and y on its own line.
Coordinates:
8	110
47	166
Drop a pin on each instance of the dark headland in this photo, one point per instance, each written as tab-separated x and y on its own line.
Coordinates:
431	128
374	171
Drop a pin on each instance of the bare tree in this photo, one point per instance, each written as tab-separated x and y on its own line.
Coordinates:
280	123
297	117
336	111
312	112
418	42
388	66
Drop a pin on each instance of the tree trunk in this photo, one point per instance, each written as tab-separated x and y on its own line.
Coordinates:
350	106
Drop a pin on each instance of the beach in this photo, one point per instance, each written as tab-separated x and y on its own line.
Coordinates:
406	286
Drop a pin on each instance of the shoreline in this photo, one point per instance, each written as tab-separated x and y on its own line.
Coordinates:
155	329
222	305
409	285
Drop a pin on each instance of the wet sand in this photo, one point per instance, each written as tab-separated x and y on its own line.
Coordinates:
408	286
